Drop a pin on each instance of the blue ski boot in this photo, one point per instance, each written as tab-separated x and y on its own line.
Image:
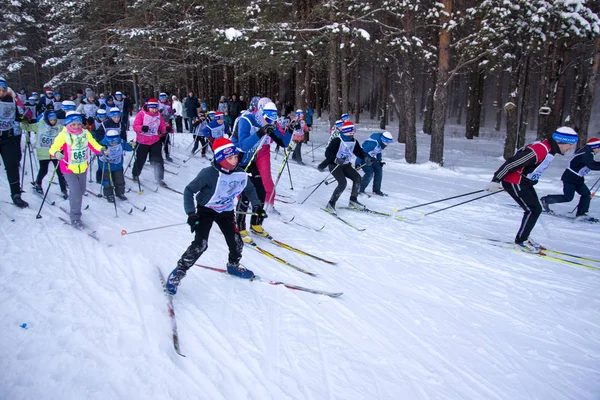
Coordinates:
239	271
174	280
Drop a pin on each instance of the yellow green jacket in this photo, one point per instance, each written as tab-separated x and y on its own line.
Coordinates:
76	149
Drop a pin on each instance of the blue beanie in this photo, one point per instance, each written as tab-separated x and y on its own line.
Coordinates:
114	112
73	116
564	134
3	83
52	115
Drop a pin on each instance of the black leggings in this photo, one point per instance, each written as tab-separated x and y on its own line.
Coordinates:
226	222
527	198
569	190
44	171
10	149
340	174
244	203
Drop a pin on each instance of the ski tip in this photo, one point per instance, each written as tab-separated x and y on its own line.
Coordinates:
123	232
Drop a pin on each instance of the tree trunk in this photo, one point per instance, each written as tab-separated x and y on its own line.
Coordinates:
459	100
511	111
334	99
357	105
499	98
384	96
474	104
344	76
225	83
374	97
408	122
307	86
318	94
525	85
436	154
583	93
428	112
299	90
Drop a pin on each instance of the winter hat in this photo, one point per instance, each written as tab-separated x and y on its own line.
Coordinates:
35	95
253	103
51	115
101	113
49	92
270	112
345	117
564	134
114	112
118	94
339	123
594	143
222	98
174	97
31	98
73	116
223	148
57	95
3	83
89	93
162	96
211	114
111	133
203	106
109	98
218	116
152	103
299	112
386	137
69	105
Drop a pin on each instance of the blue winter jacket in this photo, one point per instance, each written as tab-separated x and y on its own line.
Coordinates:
373	146
117	149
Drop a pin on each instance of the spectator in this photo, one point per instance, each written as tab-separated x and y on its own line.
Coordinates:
178	109
222	104
192	106
235	107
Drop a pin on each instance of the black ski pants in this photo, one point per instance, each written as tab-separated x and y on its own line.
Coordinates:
244	203
44	171
569	190
118	183
141	154
527	198
10	150
340	174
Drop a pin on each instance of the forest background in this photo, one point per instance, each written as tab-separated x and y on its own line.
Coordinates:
519	65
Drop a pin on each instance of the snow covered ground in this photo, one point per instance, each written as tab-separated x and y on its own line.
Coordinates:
428	311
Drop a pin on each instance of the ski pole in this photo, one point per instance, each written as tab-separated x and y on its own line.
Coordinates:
133	154
290	175
438	201
464	202
332	180
110	179
260	145
314	148
591	195
24	162
91	168
31	161
100	191
124	232
315	189
39	215
197	151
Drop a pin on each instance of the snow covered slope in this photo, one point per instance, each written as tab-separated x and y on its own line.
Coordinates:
428	310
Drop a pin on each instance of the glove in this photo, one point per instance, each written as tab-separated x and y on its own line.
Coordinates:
169	129
265	130
90	121
25	119
193	221
105	151
493	187
59	155
145	128
132	143
382	163
340	161
258	210
369	161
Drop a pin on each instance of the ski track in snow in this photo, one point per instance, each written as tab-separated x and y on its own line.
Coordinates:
428	310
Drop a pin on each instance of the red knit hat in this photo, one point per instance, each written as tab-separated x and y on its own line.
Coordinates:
594	143
152	103
223	148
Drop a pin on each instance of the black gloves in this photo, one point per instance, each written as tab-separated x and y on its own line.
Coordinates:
266	130
90	121
193	221
276	139
340	161
259	211
145	128
382	163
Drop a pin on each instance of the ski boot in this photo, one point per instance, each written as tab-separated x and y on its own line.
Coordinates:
38	188
168	158
545	205
245	236
234	268
528	246
18	201
77	224
330	208
65	194
122	197
174	280
162	183
134	178
355	205
258	230
380	193
110	198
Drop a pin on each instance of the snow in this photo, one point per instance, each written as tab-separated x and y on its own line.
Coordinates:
428	312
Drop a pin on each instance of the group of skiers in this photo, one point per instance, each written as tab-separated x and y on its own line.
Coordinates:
241	164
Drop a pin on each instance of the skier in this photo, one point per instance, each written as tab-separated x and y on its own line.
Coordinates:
100	118
10	141
255	131
339	155
46	130
198	125
114	156
299	128
57	101
45	102
71	147
573	179
215	189
374	146
217	128
149	126
88	107
521	172
165	109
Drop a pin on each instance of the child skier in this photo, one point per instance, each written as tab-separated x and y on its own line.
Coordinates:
299	129
46	130
521	172
165	109
113	173
339	155
374	146
199	125
71	147
216	188
217	128
573	179
334	132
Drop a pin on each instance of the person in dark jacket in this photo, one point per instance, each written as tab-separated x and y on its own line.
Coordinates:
573	179
235	107
521	172
216	188
192	108
340	154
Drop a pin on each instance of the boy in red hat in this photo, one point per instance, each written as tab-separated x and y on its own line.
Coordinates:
216	188
573	179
